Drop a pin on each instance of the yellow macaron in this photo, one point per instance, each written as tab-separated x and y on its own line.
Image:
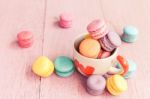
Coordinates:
43	67
87	36
89	48
116	85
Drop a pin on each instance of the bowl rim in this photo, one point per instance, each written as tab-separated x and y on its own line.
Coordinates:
80	36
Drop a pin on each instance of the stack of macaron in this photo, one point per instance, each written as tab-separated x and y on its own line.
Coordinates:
100	42
65	20
95	84
44	67
64	66
130	34
116	84
25	39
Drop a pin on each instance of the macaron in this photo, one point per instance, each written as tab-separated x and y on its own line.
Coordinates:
116	85
130	34
64	66
25	39
97	29
95	84
131	70
87	37
103	54
110	41
43	67
89	48
65	20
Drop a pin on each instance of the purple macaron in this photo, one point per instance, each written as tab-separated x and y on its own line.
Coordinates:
96	84
110	41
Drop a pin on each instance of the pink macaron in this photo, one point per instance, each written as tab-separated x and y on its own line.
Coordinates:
65	20
25	39
103	54
97	29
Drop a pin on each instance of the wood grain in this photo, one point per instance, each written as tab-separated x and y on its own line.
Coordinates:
16	79
58	41
41	17
132	13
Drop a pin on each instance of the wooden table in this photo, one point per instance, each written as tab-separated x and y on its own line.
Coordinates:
40	16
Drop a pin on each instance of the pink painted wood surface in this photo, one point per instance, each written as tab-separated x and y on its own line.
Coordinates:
40	17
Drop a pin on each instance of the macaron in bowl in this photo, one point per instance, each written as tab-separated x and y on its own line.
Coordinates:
89	66
97	29
110	41
89	48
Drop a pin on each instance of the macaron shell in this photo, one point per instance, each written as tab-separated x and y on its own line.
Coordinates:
25	44
43	67
65	24
119	83
95	24
106	45
114	38
24	35
89	48
97	29
99	32
63	64
127	39
100	35
66	17
94	92
96	80
65	74
110	89
113	86
130	34
130	30
103	54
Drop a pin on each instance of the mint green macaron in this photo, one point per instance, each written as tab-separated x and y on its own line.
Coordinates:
130	34
64	66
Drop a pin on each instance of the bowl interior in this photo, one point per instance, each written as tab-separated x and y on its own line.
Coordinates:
76	47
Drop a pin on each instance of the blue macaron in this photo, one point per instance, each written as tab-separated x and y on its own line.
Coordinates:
64	66
130	34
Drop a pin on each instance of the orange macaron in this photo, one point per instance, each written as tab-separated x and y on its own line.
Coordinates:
89	48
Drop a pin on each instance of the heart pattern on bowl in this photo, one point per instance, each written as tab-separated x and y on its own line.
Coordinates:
87	70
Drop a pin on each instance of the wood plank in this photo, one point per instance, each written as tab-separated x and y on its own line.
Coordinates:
58	41
132	12
17	80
